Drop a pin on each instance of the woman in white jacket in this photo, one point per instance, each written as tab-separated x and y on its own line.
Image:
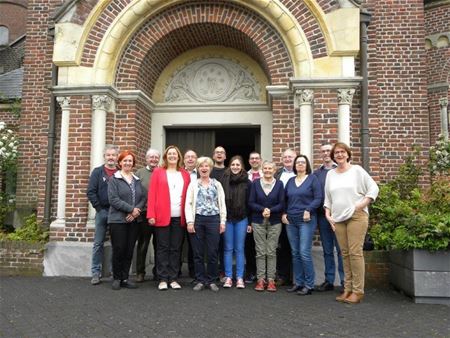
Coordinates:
349	190
206	214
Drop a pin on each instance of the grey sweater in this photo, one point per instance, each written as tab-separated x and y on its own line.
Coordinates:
121	199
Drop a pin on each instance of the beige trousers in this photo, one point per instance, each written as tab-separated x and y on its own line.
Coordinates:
350	235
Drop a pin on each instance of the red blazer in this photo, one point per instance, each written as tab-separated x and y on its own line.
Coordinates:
158	203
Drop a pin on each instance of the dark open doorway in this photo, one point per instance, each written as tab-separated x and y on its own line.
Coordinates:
236	141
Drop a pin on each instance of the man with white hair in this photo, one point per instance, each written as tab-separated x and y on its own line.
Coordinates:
145	230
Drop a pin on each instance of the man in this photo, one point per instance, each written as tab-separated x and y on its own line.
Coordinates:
219	157
97	194
145	230
218	172
327	235
254	173
284	257
190	163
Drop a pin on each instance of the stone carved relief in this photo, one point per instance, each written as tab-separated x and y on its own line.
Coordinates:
102	102
212	80
64	102
345	96
305	96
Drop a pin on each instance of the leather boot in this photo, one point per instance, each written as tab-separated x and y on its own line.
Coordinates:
341	298
354	298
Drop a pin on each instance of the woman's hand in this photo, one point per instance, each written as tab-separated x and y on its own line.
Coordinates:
266	213
222	228
249	229
284	219
331	221
136	212
190	228
306	216
129	218
151	221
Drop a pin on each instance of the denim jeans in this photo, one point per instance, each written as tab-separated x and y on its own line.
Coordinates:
234	241
300	235
329	242
101	226
207	234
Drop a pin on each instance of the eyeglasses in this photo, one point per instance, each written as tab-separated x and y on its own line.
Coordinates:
300	162
254	158
219	152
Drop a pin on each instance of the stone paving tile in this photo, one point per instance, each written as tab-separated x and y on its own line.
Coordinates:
71	307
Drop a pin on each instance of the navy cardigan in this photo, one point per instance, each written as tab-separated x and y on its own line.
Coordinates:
258	201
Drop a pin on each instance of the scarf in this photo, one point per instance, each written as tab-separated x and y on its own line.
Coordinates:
235	188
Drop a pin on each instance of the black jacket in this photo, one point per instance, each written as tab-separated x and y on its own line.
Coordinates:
97	191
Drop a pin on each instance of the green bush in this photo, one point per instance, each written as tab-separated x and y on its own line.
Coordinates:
405	216
31	231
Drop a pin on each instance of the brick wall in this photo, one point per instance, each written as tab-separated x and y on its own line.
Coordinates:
35	105
13	15
21	258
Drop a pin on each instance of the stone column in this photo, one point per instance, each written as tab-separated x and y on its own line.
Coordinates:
101	104
443	104
60	221
305	100
345	97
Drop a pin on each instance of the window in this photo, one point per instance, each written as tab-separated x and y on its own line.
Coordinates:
4	35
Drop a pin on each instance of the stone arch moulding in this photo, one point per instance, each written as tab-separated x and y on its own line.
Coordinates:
138	11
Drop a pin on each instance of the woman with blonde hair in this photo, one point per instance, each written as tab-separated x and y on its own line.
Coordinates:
165	211
206	215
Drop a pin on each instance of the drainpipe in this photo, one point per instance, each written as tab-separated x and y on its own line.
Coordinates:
50	151
364	20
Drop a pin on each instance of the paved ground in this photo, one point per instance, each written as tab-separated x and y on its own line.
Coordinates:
71	307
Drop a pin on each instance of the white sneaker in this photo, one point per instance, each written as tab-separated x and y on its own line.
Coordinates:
174	285
240	284
228	283
162	286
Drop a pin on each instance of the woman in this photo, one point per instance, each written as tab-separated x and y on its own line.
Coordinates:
126	199
165	211
237	189
266	202
206	215
303	197
348	191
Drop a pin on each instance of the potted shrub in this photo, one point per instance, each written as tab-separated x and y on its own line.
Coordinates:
413	223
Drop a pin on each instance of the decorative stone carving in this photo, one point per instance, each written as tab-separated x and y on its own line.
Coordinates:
345	96
102	102
443	103
64	102
212	80
305	96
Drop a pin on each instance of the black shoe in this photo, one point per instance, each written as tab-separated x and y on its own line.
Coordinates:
127	284
304	291
325	286
250	279
294	288
116	284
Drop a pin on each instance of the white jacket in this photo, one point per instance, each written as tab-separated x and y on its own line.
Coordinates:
191	201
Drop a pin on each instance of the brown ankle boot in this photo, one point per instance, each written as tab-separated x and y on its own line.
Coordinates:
341	298
354	298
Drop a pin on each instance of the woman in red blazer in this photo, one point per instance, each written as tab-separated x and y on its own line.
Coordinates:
165	211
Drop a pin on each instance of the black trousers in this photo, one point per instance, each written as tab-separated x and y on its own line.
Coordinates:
284	256
207	234
123	239
187	238
250	255
146	232
168	249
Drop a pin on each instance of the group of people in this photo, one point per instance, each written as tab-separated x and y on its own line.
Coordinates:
263	219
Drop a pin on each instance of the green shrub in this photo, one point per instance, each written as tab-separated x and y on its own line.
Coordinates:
405	216
31	231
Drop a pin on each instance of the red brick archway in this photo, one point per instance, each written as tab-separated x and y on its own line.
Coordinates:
192	25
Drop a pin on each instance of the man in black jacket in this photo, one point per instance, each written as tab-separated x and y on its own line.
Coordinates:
98	196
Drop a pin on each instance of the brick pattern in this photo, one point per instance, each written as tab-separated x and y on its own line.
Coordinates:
437	19
13	15
35	105
397	82
21	258
309	25
82	11
192	25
